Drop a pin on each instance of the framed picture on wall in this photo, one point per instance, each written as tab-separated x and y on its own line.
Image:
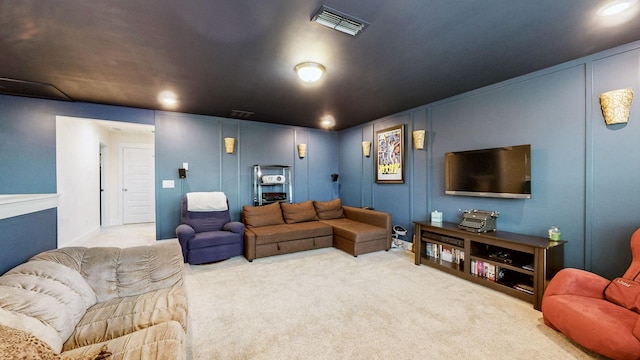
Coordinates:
389	153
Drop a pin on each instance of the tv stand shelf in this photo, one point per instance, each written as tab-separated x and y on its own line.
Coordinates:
515	264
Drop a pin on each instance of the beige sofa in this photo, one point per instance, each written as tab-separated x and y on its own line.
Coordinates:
282	228
79	301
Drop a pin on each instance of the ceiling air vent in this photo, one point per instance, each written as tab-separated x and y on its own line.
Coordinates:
31	89
241	114
337	20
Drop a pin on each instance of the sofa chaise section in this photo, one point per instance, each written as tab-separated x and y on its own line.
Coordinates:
361	231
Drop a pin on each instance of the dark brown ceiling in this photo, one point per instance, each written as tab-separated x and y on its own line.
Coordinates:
224	55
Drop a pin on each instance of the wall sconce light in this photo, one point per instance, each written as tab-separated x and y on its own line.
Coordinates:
418	139
302	150
366	148
309	71
616	105
229	144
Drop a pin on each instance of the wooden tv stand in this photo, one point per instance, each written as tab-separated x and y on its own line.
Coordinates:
515	264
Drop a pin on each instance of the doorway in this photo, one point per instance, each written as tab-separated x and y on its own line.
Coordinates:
89	174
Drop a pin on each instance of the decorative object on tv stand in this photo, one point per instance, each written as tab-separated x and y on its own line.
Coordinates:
302	150
418	139
436	216
366	148
229	144
554	233
616	105
479	220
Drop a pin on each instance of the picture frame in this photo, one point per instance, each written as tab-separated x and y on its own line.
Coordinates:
389	155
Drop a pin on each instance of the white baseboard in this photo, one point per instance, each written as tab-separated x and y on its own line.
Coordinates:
78	241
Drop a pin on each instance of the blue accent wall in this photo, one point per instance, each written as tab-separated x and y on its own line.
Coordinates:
198	140
26	235
584	173
546	111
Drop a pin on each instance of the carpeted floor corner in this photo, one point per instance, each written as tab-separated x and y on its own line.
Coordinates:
327	304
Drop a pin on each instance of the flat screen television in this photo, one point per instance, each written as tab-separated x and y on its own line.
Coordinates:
503	172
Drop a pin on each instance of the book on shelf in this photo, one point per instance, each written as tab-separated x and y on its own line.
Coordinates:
528	267
458	256
524	288
432	250
444	252
484	269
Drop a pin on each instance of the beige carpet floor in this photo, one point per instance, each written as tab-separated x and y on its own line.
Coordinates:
326	304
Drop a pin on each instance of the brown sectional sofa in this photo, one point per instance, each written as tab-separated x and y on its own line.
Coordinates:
282	228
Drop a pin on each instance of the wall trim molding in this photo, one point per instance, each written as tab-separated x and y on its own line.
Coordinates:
12	205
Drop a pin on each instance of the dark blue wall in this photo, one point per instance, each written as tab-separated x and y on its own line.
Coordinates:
198	140
26	235
583	173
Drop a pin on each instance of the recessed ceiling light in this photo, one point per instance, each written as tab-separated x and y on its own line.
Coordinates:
168	98
616	7
309	71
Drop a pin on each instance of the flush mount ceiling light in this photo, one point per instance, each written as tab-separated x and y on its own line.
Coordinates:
168	98
309	71
616	7
327	121
339	21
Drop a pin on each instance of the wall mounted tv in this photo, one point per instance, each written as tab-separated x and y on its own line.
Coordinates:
503	172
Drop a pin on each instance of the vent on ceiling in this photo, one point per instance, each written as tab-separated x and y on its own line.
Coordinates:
241	114
31	89
340	21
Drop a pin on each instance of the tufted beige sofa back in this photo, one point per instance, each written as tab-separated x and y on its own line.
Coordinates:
48	295
116	272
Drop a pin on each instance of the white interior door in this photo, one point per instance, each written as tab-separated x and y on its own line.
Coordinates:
138	190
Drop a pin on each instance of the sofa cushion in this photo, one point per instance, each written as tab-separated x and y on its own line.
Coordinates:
287	232
301	212
118	272
328	210
256	216
356	231
166	341
624	292
213	238
595	323
121	316
204	220
50	292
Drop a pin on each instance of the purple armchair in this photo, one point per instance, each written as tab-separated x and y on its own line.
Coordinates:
209	236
